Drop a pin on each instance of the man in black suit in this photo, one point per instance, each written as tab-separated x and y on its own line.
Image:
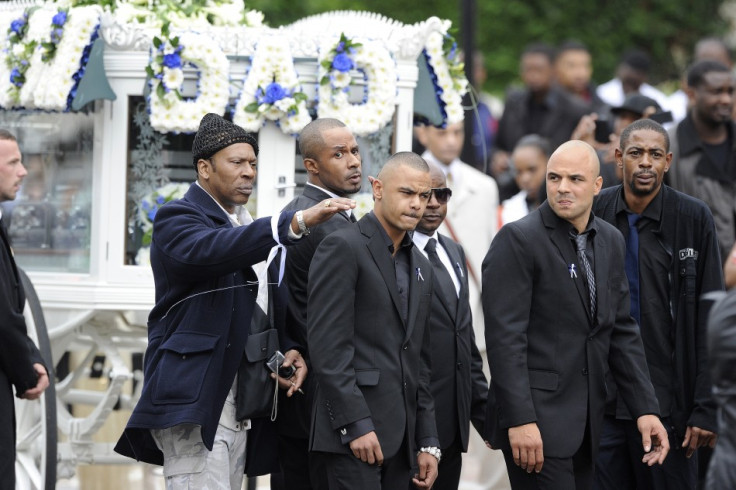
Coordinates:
20	361
332	159
459	387
666	232
556	321
368	337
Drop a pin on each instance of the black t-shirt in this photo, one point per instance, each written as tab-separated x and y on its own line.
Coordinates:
719	154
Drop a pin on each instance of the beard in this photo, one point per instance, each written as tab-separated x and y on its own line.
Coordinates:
644	191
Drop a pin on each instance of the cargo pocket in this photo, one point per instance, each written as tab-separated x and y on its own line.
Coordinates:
185	359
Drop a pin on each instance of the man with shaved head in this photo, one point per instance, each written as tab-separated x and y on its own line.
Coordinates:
368	307
333	163
556	304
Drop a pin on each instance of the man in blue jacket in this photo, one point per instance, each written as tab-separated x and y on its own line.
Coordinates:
207	256
672	260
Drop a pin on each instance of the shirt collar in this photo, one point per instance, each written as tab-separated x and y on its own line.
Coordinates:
331	194
420	239
240	217
653	211
687	135
405	242
453	167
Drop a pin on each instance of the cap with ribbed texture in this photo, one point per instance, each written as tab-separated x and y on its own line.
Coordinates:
216	133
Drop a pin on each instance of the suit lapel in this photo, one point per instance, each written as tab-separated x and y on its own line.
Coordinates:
382	258
316	194
601	288
455	259
560	236
418	274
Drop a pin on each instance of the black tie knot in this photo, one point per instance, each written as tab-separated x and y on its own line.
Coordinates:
431	246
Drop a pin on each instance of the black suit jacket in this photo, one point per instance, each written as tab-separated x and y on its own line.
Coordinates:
18	353
294	412
548	356
368	363
459	387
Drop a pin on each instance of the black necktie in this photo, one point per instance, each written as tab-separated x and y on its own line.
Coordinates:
351	217
581	241
440	271
632	265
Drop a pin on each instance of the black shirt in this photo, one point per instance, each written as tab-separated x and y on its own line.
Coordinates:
402	265
654	297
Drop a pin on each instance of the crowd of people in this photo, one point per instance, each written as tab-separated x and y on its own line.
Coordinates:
577	270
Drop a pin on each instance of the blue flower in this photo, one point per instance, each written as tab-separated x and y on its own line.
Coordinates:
146	205
342	62
59	19
56	35
160	199
152	214
340	47
274	93
16	77
17	25
172	60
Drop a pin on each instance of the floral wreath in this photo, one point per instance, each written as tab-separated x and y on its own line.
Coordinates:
72	35
373	60
18	55
170	111
271	90
38	49
446	71
151	203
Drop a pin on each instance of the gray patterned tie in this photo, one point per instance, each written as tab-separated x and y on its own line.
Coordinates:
581	241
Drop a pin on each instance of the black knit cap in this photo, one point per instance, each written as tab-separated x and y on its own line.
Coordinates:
216	133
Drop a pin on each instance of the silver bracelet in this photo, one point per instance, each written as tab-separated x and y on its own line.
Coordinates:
300	221
433	450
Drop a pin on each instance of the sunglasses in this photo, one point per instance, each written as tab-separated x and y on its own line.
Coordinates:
442	194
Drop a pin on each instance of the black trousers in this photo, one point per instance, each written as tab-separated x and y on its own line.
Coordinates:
7	434
346	472
300	470
448	471
619	460
574	473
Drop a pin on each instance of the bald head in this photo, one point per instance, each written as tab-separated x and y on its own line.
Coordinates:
399	159
311	140
400	194
578	149
437	176
573	181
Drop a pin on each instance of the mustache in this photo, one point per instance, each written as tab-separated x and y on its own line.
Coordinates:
645	172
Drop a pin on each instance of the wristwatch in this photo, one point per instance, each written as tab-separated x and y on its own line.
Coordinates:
300	221
433	450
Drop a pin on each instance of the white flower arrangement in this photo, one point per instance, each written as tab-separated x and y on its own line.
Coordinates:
151	203
19	50
47	56
170	111
271	90
336	62
186	14
363	203
446	71
67	62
